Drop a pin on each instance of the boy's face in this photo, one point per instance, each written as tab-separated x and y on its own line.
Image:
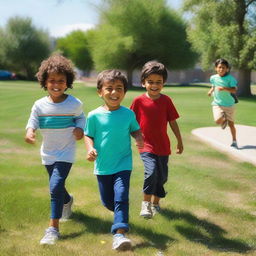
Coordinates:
221	69
154	84
112	92
56	85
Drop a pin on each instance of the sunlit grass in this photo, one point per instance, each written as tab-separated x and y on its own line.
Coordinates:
209	208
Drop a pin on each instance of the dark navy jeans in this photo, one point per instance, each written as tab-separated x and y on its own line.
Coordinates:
58	173
114	192
155	174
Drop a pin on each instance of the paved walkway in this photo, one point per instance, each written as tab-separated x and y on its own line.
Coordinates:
221	140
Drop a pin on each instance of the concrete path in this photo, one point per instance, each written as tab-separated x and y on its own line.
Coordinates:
221	140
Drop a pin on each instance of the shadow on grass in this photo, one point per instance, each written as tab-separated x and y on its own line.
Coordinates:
99	226
205	232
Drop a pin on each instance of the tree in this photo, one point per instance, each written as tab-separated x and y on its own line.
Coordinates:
24	46
76	47
132	32
225	29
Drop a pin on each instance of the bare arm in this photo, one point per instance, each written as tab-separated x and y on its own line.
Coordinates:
91	151
210	91
30	136
228	89
138	138
176	130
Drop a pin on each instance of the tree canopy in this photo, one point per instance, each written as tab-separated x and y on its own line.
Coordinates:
132	32
225	29
23	46
76	47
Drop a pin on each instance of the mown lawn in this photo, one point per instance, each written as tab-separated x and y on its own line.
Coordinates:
210	208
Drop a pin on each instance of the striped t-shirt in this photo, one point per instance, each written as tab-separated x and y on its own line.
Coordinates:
56	122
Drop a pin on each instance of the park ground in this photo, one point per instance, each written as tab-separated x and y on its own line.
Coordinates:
209	209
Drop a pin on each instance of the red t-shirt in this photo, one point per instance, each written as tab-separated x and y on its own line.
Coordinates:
153	117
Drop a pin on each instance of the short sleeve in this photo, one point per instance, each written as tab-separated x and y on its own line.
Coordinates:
172	113
134	124
89	129
233	82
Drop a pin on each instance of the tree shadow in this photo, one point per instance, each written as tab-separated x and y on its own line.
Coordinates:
206	233
99	226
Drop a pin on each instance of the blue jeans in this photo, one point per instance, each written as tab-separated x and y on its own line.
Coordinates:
114	192
58	173
155	174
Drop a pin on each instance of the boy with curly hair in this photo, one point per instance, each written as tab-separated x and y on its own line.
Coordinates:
61	120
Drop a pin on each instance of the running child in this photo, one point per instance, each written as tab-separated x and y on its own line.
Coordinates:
108	143
154	111
61	121
223	105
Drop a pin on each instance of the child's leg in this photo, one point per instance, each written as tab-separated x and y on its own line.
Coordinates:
218	115
150	175
105	183
58	173
162	176
121	201
232	130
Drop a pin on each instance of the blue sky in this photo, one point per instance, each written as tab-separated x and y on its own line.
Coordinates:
58	17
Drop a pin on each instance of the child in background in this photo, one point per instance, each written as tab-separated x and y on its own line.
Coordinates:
153	112
61	120
108	143
223	105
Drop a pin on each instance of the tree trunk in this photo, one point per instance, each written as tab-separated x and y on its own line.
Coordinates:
244	83
129	77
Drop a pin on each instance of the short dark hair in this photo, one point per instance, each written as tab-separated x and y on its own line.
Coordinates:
222	61
153	67
56	63
111	75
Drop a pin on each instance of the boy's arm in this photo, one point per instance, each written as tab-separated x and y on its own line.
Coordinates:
78	131
210	91
228	89
176	130
137	135
91	151
30	136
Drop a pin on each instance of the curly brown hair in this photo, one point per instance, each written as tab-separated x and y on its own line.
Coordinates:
56	63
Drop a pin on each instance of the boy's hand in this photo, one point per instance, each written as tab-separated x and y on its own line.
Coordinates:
139	143
30	136
180	148
221	88
78	133
92	155
209	93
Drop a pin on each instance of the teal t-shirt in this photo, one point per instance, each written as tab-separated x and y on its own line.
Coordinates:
223	98
110	131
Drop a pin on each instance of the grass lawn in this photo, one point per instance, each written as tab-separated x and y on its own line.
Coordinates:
210	208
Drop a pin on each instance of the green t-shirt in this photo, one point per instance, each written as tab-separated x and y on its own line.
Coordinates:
223	98
110	131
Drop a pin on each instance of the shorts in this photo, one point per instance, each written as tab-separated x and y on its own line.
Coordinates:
155	174
218	112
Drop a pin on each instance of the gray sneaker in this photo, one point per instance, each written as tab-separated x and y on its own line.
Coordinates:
51	236
234	144
155	208
66	211
121	243
146	210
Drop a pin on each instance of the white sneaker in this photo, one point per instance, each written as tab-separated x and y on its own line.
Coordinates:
146	211
120	242
66	211
155	208
51	236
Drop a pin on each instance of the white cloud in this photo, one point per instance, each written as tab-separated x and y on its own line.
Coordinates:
60	31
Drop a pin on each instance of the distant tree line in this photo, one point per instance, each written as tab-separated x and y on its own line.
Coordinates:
131	32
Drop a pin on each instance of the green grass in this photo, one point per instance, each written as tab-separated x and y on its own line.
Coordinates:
209	209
